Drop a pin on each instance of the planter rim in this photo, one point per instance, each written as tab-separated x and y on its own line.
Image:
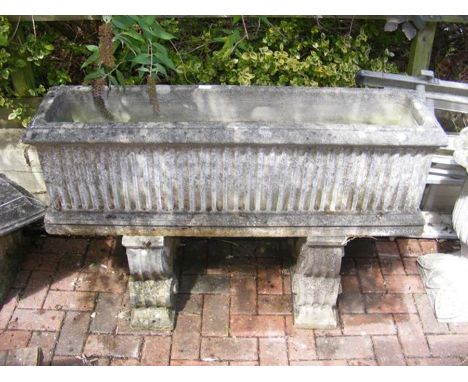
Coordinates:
427	133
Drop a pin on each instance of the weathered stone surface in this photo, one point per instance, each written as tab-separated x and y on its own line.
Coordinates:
316	163
152	292
153	318
152	285
316	283
351	171
315	316
150	257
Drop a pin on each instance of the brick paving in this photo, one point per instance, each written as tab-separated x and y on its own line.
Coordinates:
234	307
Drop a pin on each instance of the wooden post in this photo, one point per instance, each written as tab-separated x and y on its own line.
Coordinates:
421	49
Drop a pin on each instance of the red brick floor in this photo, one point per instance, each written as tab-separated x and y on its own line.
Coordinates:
234	307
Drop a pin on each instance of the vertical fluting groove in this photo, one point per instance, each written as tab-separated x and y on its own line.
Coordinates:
258	189
248	204
96	179
157	180
191	163
316	180
180	181
84	193
370	179
381	187
272	180
311	173
400	186
66	203
278	203
389	197
266	179
409	188
229	178
404	178
163	179
305	183
237	180
327	179
302	181
100	179
102	175
89	181
169	174
219	180
202	179
350	175
90	176
147	184
73	173
242	174
224	179
337	178
295	180
125	181
362	173
287	186
281	183
214	178
70	183
290	190
234	180
209	180
115	178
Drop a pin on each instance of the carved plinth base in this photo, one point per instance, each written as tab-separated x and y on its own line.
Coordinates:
152	283
316	282
154	318
152	292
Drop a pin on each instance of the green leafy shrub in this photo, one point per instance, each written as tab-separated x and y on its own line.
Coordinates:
235	50
287	52
24	51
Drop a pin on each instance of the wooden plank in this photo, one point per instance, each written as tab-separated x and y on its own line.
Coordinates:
421	49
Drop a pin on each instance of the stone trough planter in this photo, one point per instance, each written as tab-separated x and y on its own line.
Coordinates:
321	165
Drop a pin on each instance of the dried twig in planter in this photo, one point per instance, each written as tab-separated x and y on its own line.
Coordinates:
153	97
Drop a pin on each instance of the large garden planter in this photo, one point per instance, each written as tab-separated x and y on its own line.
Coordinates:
323	165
